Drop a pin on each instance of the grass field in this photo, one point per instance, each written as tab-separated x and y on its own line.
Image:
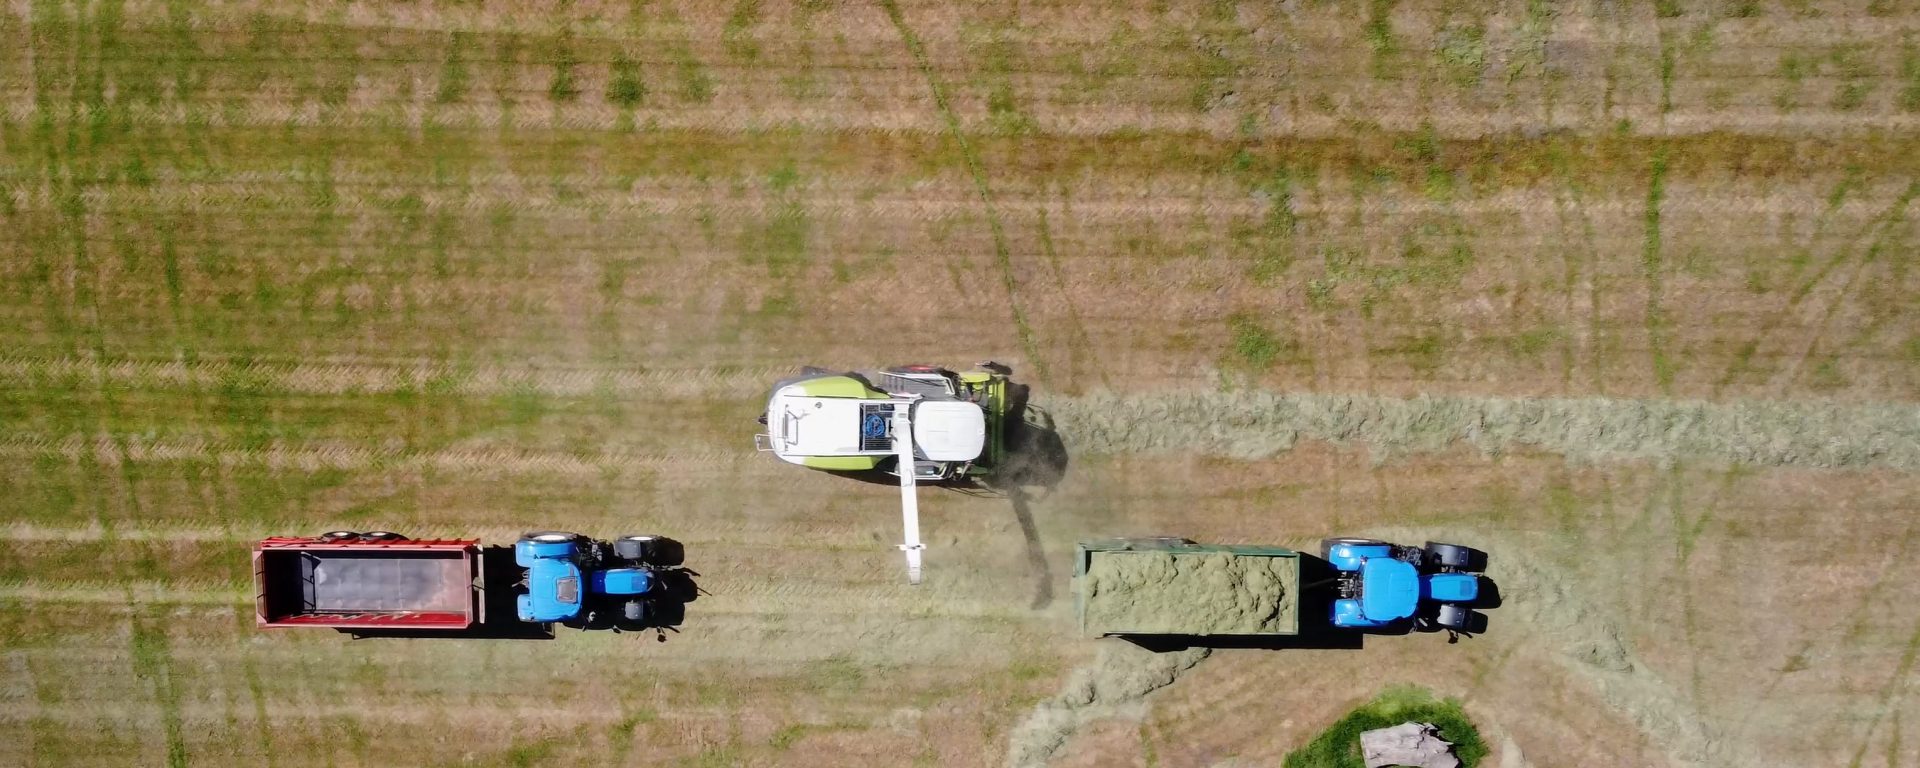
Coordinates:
453	268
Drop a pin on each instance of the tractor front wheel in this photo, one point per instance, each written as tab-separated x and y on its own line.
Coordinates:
639	548
1449	555
549	537
1455	617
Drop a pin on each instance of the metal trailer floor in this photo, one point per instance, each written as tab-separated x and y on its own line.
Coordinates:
351	582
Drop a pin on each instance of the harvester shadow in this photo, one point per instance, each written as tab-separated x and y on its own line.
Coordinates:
1036	459
501	613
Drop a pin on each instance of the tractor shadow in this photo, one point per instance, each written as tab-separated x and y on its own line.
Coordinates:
1317	593
501	620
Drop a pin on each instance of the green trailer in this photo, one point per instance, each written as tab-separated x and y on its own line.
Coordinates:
1167	586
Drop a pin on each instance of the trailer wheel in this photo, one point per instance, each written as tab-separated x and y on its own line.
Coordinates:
1327	545
339	535
549	537
636	611
1449	555
382	536
636	547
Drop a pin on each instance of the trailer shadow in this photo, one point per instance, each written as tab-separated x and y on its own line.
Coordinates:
501	620
1317	578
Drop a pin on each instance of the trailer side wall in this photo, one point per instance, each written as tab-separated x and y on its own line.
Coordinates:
403	584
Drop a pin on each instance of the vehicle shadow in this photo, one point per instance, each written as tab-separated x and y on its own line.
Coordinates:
1317	593
500	618
1035	463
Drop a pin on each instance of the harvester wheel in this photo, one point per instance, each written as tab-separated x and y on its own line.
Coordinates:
339	535
549	537
1449	555
1327	545
638	547
914	369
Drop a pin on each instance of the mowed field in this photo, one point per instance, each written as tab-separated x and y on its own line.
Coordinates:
463	269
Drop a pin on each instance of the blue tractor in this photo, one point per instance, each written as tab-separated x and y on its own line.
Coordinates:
1381	584
584	582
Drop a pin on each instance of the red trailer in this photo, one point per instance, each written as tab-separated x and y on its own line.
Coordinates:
368	581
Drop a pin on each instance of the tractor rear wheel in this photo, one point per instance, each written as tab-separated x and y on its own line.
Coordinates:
549	537
636	611
639	548
1327	545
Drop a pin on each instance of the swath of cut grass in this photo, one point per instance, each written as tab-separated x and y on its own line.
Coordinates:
1256	424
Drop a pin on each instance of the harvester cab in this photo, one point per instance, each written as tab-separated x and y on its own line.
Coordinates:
1380	584
572	579
919	423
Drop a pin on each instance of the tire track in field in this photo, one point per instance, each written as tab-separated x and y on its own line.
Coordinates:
1895	215
115	451
1002	254
1873	229
348	378
1589	644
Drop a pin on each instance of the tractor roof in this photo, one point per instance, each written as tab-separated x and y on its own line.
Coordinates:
1392	589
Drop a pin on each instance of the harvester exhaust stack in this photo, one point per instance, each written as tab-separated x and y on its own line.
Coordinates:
909	497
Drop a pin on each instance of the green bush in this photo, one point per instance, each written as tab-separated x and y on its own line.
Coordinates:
1339	745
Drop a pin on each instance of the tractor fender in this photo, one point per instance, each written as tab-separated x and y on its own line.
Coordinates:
1346	555
1347	613
525	551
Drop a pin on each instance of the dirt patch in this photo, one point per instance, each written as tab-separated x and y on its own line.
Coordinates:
1210	593
1253	425
1114	684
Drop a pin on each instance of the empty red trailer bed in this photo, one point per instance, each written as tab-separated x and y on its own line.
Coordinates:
368	583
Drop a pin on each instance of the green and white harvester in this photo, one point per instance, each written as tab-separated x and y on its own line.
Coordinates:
919	423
